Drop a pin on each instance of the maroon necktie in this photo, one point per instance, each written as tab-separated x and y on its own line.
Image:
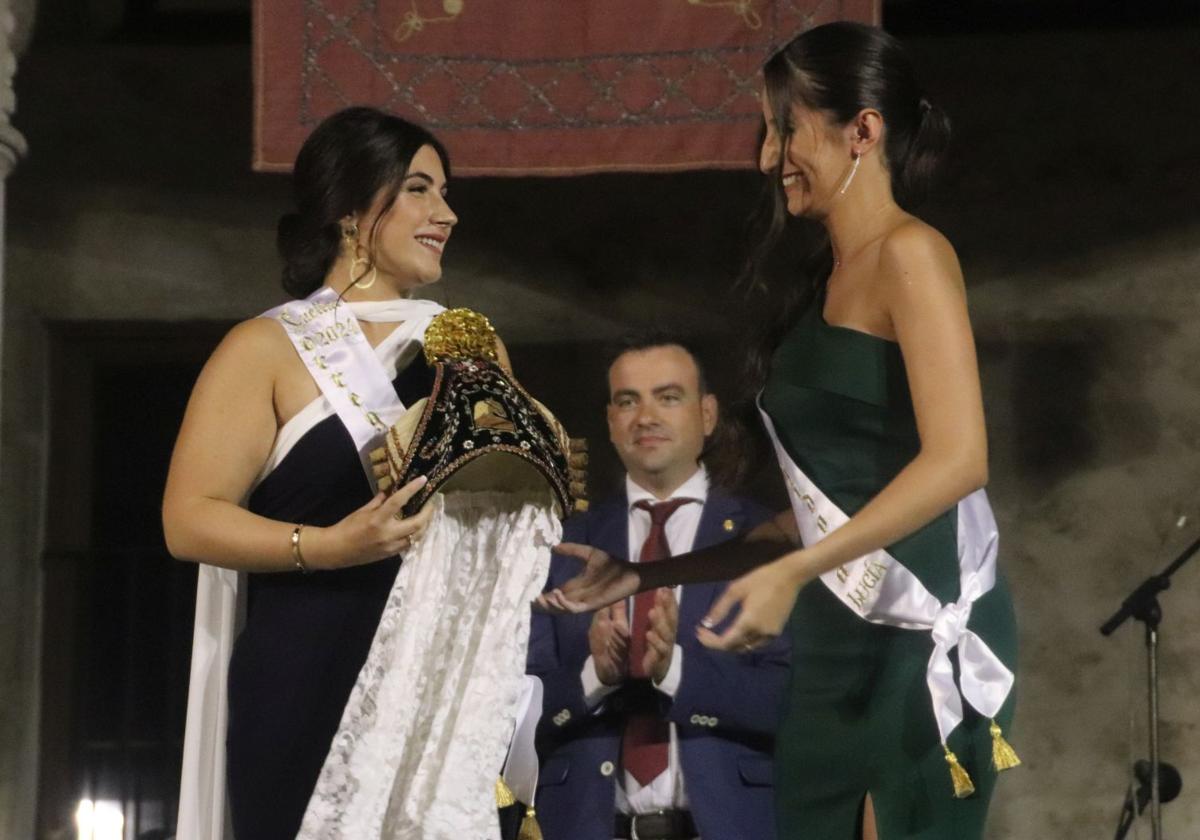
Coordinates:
646	738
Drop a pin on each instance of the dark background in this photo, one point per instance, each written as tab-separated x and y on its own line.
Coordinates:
138	234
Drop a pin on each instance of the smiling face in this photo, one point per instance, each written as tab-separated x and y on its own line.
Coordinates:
657	417
814	163
412	233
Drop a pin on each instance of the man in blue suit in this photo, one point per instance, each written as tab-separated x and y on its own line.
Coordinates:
644	732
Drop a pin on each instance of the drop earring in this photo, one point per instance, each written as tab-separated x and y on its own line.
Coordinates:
850	175
350	236
358	281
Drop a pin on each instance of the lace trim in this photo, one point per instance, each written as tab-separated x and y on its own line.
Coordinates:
425	731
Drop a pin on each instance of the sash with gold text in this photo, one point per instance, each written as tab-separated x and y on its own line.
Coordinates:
878	588
344	365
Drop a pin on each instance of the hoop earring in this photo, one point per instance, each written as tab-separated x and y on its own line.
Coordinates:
358	281
350	238
850	175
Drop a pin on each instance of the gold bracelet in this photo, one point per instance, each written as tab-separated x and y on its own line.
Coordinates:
297	554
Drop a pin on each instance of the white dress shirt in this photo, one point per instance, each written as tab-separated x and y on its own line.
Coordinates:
667	790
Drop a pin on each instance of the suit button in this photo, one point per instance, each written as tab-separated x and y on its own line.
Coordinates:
712	721
694	719
606	769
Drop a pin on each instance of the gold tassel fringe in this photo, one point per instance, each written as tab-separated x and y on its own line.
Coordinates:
1004	757
963	786
504	794
530	830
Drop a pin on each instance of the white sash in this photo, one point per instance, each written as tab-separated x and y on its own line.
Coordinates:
350	375
343	363
878	588
521	764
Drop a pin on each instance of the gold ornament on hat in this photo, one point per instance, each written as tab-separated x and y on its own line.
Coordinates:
460	334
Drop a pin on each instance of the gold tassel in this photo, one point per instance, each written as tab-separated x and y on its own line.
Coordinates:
1004	757
504	794
963	786
530	830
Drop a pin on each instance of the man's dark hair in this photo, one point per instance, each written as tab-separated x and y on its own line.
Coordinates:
650	338
736	448
722	452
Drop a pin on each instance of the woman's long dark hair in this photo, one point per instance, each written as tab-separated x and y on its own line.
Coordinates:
352	157
839	70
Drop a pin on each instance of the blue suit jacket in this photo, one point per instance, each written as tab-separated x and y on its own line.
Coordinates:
725	711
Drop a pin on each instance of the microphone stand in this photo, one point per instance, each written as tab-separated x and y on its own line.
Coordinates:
1142	604
1128	814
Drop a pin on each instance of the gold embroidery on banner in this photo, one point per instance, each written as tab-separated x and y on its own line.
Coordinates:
742	8
414	21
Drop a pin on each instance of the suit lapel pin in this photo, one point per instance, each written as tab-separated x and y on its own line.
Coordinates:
727	524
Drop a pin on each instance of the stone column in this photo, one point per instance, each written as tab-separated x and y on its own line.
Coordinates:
12	144
20	595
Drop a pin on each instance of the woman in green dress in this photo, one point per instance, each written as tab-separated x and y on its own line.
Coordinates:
871	392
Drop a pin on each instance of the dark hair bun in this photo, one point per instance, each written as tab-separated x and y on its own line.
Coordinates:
307	253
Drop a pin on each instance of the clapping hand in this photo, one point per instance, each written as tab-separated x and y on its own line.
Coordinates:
660	634
608	641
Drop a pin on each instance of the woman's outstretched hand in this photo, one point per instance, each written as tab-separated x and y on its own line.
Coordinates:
765	598
604	580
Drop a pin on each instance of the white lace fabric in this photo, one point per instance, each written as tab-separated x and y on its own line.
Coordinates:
427	726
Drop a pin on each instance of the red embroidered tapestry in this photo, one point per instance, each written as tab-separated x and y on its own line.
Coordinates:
532	87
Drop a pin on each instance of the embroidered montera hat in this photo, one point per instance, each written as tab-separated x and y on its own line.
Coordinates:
478	429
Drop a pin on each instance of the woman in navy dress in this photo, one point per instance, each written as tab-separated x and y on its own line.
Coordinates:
262	451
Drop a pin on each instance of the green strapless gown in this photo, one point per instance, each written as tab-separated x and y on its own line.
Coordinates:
859	717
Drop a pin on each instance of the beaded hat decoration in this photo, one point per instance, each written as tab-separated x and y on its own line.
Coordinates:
478	429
